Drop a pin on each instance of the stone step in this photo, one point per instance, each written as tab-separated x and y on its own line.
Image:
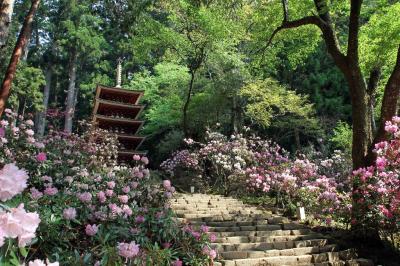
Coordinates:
296	256
180	212
234	255
260	232
247	235
263	246
264	227
254	239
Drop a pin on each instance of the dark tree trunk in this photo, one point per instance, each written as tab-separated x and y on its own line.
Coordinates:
70	102
187	102
22	41
6	11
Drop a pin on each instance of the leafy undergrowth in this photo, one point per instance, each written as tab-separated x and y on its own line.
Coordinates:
65	199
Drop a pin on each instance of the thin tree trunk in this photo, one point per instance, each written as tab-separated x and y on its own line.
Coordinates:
6	11
69	105
297	139
41	121
186	106
234	116
22	41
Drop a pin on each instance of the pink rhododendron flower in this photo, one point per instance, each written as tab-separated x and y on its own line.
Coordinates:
69	213
109	192
128	211
85	197
145	160
134	184
136	157
41	157
12	181
51	191
19	223
177	262
35	194
140	219
126	189
111	184
204	228
123	198
91	230
101	196
128	250
30	132
167	184
213	237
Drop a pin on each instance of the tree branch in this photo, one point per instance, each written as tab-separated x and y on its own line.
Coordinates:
310	20
324	23
285	11
354	26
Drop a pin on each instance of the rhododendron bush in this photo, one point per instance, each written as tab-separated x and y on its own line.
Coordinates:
249	165
65	199
377	197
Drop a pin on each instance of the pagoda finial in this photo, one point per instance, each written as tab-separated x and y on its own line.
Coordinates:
119	73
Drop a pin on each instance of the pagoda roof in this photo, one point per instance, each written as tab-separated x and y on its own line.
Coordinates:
102	107
125	95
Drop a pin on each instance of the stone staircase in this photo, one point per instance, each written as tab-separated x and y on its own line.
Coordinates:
247	235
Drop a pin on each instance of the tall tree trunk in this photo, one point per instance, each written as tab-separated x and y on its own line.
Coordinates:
69	105
22	41
41	121
187	102
362	129
6	11
234	116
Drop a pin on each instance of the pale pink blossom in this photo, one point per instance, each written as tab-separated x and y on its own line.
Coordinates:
101	196
109	192
12	181
145	160
50	191
91	230
29	132
19	223
111	184
128	250
35	194
123	198
85	197
167	184
69	213
136	157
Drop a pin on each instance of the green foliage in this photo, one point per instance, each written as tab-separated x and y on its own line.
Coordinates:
342	137
268	100
27	87
163	94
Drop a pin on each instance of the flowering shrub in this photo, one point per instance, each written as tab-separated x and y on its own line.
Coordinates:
223	163
262	167
377	197
79	207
